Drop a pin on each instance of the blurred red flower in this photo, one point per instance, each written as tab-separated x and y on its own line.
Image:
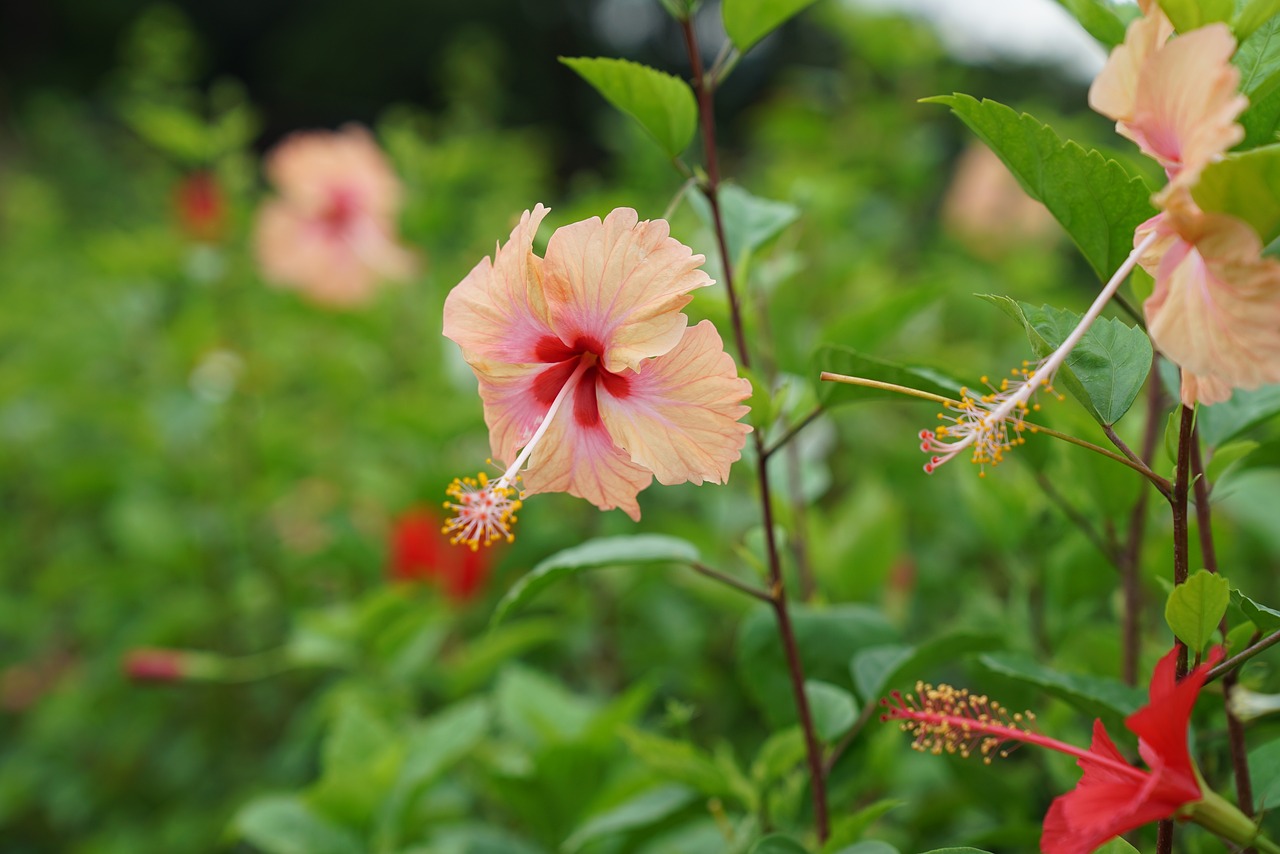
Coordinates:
420	552
154	665
201	207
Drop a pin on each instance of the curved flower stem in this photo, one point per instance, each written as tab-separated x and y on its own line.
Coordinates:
1162	485
704	88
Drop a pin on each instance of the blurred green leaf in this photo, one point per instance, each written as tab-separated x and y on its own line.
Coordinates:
1266	619
1244	186
842	360
748	21
537	710
1227	456
1253	15
1264	761
1099	19
1258	57
1093	695
849	828
1195	607
662	104
781	753
957	851
1223	422
1187	15
832	708
870	846
1095	199
827	638
778	844
1117	846
285	824
634	550
749	221
683	762
1105	371
876	669
638	812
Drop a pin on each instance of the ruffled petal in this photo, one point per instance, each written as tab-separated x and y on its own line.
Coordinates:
582	460
512	409
679	416
1187	102
1115	89
1215	310
621	283
1162	724
498	312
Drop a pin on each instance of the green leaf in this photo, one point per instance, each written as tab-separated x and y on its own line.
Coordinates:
1187	15
832	707
748	21
1254	14
1244	186
1105	371
778	844
537	710
1095	199
633	550
870	846
1258	58
641	811
285	824
681	10
662	104
1222	422
1094	695
1227	456
1266	619
1099	19
827	639
749	221
957	851
1195	608
1117	846
778	756
838	359
876	669
847	829
1264	761
684	763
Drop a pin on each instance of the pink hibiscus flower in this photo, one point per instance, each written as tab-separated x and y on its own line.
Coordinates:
589	371
331	232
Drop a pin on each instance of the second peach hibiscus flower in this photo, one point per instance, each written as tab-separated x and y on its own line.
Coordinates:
589	371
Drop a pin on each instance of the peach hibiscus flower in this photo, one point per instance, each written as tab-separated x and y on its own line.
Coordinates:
1215	309
331	231
589	371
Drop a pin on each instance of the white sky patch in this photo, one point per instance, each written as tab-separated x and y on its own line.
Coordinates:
1030	31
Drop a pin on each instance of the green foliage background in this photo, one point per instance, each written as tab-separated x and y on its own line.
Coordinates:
194	460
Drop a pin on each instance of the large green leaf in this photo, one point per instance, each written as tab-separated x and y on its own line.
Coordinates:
1105	371
663	105
594	554
1258	59
842	360
1222	422
1245	186
1265	762
877	668
1095	199
285	824
1195	608
1187	15
1266	619
1099	18
748	21
640	811
1093	695
827	639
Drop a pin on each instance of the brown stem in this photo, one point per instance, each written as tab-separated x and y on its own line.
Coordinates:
792	431
1222	669
1235	729
1077	518
1131	557
777	588
1164	832
730	581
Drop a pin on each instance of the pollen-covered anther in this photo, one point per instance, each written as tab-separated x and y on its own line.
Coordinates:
483	511
944	719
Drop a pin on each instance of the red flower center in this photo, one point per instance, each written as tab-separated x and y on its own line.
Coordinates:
565	360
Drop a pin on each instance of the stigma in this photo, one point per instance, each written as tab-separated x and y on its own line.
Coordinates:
484	511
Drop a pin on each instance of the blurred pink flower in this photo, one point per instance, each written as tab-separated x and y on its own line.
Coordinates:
147	664
331	232
588	349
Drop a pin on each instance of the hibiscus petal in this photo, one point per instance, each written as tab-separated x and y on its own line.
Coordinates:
582	460
1115	88
295	253
1162	724
498	312
512	411
1215	309
679	416
1186	105
622	283
306	168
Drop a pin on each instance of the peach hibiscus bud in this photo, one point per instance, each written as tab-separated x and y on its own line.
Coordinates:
330	233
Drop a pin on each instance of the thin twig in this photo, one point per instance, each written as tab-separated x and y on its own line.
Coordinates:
1131	557
1077	518
792	431
725	578
778	590
1225	667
